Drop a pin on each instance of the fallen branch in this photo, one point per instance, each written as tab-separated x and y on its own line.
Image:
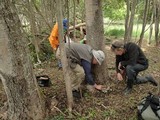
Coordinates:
77	26
104	106
59	110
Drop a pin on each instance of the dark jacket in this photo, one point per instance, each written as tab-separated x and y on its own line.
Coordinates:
132	55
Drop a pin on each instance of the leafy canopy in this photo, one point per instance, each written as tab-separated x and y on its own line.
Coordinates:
114	9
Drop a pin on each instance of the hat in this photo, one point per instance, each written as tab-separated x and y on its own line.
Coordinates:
117	44
99	56
65	22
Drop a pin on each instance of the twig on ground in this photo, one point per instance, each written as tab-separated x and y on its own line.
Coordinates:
104	106
59	110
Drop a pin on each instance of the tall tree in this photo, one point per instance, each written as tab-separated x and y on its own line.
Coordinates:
131	6
66	68
33	27
48	9
16	73
151	22
156	19
95	33
145	13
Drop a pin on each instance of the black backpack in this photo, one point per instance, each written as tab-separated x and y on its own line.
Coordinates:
149	108
43	80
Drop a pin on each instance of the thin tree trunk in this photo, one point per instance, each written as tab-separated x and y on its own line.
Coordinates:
33	29
68	15
151	24
48	9
146	6
157	15
66	68
39	12
150	33
74	20
130	29
16	70
129	21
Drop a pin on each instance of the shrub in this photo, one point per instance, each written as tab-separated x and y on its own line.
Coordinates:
115	32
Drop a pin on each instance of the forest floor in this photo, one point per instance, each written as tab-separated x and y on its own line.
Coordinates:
113	105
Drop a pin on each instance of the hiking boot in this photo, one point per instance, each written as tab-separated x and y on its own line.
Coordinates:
76	94
127	90
151	80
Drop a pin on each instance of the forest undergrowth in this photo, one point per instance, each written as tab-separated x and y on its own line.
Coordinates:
113	105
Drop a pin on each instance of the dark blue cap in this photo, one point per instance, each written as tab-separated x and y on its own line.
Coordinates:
65	22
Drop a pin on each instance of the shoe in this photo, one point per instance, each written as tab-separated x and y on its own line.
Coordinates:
76	94
151	80
127	90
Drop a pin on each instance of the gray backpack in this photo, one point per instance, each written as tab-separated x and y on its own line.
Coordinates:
149	108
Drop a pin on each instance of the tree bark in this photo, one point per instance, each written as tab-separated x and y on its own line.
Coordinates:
151	24
66	68
39	12
156	19
16	70
48	8
74	20
146	6
95	33
33	27
129	20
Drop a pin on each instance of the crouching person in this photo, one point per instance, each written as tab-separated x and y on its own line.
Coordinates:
131	60
81	57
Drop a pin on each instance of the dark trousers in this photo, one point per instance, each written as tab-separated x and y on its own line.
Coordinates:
132	72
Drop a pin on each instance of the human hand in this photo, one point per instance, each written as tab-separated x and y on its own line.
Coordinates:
121	71
119	77
98	87
119	66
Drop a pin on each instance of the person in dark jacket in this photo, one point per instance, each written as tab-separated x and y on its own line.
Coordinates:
130	60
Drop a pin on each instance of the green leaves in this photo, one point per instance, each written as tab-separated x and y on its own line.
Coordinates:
114	9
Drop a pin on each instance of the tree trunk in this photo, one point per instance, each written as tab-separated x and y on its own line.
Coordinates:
151	25
129	20
95	33
39	12
74	20
146	6
66	68
48	9
16	70
157	10
133	8
33	28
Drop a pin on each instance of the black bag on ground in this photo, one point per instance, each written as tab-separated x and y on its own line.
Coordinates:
43	80
149	108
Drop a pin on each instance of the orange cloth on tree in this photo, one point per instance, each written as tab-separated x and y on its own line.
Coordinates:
53	38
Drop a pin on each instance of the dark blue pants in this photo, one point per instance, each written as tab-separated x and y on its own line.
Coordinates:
132	72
